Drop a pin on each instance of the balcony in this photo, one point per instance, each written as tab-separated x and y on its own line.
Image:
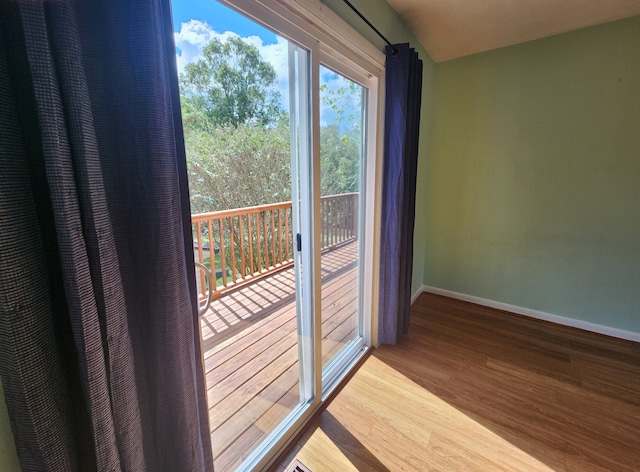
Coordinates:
249	333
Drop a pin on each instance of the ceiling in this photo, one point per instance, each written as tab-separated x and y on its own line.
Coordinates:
454	28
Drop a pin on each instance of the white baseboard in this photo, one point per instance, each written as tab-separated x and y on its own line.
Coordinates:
415	296
539	315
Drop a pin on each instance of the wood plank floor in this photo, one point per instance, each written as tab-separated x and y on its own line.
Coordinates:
475	389
250	349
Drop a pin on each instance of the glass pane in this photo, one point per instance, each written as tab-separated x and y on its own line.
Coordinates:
234	84
341	150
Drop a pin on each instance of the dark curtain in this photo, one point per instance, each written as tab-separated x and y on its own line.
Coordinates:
402	125
99	344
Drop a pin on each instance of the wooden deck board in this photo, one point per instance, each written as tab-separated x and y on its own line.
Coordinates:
251	352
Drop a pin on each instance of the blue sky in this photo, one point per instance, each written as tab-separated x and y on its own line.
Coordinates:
220	17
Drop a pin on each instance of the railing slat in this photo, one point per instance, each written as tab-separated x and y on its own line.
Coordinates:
223	258
259	268
232	228
203	286
242	254
280	233
273	239
286	230
250	237
212	257
323	227
266	243
344	219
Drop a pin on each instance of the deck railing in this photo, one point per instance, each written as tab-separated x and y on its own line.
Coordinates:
339	217
241	245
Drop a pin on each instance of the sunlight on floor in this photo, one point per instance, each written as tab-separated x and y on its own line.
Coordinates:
326	455
403	426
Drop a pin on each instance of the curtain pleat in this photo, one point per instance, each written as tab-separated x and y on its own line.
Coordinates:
402	124
98	323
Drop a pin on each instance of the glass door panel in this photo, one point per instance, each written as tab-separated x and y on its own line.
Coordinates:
246	134
342	108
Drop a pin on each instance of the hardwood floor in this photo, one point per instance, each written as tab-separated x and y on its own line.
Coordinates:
476	389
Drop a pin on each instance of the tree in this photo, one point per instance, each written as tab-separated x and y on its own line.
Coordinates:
238	167
339	161
229	86
340	142
236	132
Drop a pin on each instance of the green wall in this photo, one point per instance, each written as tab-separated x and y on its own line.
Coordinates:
533	176
387	21
8	456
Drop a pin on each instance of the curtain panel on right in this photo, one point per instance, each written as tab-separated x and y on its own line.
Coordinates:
402	125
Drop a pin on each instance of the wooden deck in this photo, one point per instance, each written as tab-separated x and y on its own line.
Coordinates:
251	352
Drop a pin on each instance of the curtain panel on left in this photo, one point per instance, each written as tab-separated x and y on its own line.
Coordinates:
99	343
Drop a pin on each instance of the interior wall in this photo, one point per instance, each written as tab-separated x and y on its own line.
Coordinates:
533	178
8	456
389	23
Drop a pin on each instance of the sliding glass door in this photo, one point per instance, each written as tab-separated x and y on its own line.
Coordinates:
280	162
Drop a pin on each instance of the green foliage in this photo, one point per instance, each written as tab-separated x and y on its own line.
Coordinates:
229	86
339	161
238	167
237	134
237	139
341	147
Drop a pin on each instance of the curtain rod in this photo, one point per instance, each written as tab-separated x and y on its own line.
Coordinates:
394	50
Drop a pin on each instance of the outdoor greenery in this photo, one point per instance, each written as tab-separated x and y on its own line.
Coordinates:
340	144
236	167
229	86
237	133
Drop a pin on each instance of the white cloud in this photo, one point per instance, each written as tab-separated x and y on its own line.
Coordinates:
195	34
